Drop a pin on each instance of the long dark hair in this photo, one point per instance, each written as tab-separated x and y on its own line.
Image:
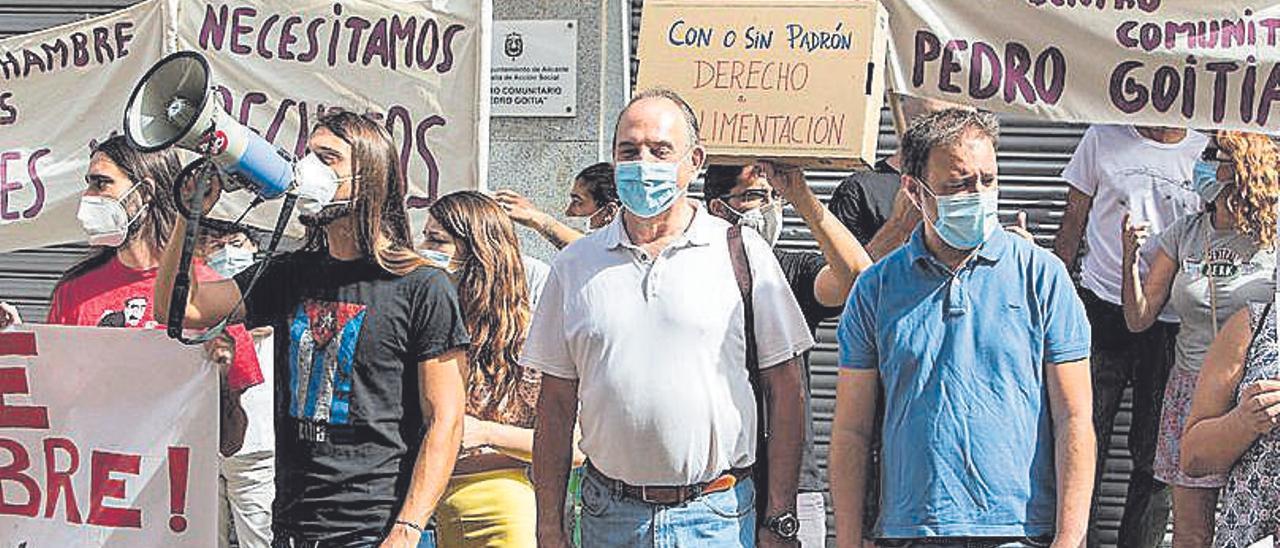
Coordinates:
492	291
153	173
378	190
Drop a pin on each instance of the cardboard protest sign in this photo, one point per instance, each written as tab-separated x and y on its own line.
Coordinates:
798	81
1184	63
421	67
62	89
108	437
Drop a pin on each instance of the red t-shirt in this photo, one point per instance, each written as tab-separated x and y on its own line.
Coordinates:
114	295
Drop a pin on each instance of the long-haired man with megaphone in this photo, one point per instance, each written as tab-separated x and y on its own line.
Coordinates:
370	349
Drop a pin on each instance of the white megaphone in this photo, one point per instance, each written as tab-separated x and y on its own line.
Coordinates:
174	104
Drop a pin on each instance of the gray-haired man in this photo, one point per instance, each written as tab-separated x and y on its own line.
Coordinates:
640	323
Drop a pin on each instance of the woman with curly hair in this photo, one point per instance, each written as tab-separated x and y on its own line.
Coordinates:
489	501
1209	266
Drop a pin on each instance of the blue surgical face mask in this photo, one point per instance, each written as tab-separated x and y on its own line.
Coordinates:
647	189
230	260
966	220
1205	181
438	259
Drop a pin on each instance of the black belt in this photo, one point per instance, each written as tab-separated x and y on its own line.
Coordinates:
672	495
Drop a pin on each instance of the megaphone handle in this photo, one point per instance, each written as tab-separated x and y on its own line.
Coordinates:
182	280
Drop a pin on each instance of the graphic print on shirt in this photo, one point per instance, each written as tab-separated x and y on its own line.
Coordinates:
322	351
131	312
1163	188
1223	264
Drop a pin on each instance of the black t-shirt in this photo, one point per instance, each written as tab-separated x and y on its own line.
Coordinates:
864	200
801	269
349	336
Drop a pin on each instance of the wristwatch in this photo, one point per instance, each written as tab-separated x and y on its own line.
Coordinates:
785	525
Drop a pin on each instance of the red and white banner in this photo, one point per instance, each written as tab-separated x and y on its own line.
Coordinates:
108	437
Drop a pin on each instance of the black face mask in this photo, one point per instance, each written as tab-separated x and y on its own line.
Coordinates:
329	214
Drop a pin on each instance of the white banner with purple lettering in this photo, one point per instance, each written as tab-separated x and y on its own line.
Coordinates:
421	67
1160	62
61	90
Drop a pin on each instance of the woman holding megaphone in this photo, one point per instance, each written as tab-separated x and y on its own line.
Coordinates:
369	382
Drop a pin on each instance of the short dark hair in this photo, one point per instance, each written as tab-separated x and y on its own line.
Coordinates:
690	119
218	228
943	128
598	178
719	180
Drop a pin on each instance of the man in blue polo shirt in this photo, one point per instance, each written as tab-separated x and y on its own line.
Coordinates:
981	346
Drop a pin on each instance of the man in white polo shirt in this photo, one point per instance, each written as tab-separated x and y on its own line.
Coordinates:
642	324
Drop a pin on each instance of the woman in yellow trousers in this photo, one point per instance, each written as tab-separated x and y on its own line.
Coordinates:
489	502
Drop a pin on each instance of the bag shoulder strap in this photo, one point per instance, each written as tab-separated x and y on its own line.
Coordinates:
742	272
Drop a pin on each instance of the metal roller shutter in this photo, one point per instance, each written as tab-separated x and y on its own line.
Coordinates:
1031	156
27	277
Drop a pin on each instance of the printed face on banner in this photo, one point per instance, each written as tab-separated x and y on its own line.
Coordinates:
277	66
1180	63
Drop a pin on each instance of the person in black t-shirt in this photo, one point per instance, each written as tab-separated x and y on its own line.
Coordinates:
753	196
370	350
869	202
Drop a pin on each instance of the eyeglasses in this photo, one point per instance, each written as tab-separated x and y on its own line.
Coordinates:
752	197
1214	154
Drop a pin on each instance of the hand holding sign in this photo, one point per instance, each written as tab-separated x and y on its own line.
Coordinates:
9	316
769	79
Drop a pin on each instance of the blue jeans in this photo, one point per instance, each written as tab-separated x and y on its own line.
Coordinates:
726	518
428	539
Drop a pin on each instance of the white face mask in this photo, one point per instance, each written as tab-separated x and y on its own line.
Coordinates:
765	220
105	220
230	260
315	184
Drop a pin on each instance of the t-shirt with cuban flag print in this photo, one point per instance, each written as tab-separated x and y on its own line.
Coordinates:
349	338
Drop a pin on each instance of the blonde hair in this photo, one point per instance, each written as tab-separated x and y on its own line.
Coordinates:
1252	201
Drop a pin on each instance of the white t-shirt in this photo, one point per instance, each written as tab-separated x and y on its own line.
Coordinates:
658	348
257	402
1125	172
535	275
